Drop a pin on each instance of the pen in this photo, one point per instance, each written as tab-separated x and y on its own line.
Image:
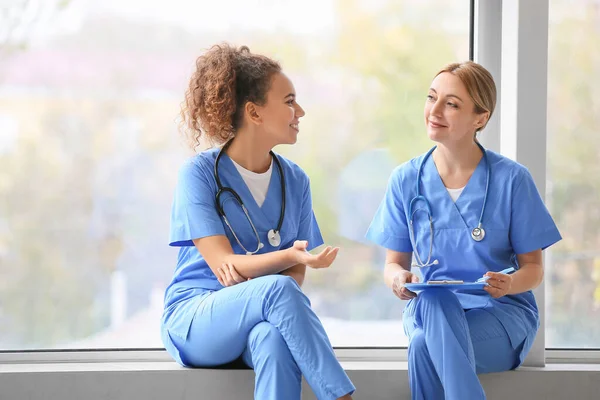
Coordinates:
504	271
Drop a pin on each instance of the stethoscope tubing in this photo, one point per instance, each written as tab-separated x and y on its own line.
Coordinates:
418	197
223	189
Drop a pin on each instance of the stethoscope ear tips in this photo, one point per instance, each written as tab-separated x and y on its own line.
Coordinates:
435	262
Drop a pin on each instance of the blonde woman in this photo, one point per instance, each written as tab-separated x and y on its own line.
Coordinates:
465	213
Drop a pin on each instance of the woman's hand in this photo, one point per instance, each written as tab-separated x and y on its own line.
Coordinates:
499	284
227	275
321	260
400	279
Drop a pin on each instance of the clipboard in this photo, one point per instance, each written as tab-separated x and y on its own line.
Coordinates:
458	286
449	285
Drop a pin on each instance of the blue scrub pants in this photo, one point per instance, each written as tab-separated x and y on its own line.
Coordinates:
269	322
449	346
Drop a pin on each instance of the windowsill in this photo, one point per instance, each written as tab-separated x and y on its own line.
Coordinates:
140	366
159	379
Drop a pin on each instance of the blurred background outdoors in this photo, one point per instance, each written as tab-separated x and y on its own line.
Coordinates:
89	153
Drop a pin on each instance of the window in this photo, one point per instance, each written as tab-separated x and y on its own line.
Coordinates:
86	188
573	190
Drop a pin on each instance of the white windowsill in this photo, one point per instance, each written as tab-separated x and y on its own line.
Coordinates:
160	379
168	365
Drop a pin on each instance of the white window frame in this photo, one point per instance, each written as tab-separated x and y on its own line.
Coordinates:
507	35
511	41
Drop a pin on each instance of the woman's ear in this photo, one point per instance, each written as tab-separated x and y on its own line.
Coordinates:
252	113
481	120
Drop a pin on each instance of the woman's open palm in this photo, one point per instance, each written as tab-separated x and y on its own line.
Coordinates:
322	260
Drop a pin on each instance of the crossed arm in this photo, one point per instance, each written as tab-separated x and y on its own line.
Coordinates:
231	268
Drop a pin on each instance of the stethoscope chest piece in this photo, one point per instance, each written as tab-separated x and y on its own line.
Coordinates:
478	234
274	238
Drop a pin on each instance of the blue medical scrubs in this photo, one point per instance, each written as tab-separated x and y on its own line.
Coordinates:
267	321
454	335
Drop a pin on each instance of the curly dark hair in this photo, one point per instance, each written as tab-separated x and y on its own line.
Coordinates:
225	79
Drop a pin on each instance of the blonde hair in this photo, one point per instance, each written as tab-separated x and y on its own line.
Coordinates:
479	84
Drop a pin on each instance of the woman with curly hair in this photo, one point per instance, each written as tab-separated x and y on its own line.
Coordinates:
242	217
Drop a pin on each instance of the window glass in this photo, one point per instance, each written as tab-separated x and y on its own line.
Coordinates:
89	150
573	185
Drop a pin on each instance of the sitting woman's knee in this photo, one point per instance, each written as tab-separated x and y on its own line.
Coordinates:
279	280
417	345
283	282
438	296
264	332
283	287
265	340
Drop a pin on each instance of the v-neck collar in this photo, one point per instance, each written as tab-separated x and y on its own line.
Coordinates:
465	212
265	217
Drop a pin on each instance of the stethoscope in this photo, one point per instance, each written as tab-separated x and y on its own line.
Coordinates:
477	233
273	235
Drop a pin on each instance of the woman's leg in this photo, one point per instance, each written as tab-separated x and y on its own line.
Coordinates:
436	322
221	327
424	381
491	344
268	355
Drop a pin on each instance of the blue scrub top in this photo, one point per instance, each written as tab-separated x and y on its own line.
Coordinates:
516	221
194	216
